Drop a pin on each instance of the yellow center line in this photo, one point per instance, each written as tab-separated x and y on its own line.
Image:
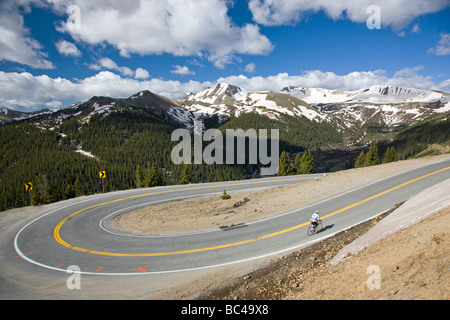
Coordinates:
62	242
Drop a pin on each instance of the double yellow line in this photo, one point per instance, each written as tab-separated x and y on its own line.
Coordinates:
56	232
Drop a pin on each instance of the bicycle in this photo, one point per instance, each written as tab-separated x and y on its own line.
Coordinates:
319	227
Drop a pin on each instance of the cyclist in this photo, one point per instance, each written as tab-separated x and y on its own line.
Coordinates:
314	219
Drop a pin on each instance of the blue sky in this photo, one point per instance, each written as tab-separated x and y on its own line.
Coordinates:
174	47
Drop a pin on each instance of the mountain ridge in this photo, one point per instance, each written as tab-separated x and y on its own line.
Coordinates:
389	105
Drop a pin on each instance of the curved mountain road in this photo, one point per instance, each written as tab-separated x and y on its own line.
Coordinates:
77	232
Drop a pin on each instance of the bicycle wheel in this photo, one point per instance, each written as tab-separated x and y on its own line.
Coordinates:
310	231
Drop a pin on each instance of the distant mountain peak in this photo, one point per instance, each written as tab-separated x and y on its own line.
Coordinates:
216	94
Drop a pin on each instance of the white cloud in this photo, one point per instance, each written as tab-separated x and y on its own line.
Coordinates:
182	70
141	74
416	29
408	77
67	48
443	47
109	64
25	91
397	14
199	28
444	86
250	68
16	43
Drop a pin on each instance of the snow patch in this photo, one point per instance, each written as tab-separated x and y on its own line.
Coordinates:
79	149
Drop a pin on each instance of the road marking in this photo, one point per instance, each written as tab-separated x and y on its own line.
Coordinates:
141	269
25	254
62	242
99	269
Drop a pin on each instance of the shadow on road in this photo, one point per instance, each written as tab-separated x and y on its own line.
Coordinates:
326	228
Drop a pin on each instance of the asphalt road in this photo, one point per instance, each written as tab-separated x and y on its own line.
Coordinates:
77	233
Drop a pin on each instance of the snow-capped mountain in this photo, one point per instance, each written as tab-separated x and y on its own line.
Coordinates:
8	115
393	106
216	95
164	108
225	100
169	110
374	95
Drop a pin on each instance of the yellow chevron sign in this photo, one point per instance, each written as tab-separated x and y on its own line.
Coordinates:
102	174
28	186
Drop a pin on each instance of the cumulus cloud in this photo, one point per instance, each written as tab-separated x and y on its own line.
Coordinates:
24	91
408	77
67	48
182	70
107	63
200	28
250	68
141	74
443	47
16	43
397	14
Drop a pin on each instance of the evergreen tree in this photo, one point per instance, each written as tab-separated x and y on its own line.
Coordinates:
69	192
372	158
43	193
154	178
140	178
389	156
306	163
225	195
297	162
78	188
285	167
186	179
359	163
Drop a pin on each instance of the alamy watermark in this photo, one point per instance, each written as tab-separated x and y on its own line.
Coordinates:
74	20
213	153
374	280
374	20
74	280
